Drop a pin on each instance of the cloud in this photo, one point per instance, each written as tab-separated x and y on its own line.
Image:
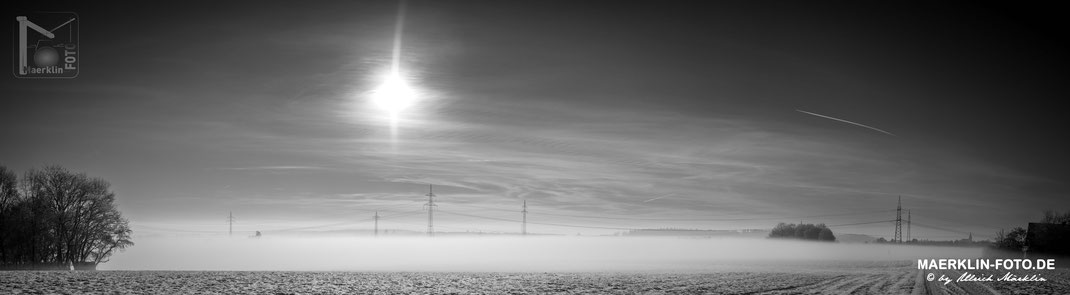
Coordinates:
287	130
272	168
567	158
577	158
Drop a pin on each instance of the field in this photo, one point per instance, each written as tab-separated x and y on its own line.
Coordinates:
799	278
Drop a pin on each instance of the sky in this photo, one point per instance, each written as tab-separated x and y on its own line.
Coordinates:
603	116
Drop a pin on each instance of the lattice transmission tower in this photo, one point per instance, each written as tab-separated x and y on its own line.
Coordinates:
899	221
230	220
430	210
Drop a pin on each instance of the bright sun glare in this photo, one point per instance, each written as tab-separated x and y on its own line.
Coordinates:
394	95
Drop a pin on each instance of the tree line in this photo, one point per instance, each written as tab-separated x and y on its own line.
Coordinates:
52	218
818	232
1016	238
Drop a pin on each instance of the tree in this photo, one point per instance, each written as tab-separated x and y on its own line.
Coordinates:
63	218
826	235
8	188
1052	216
812	232
8	196
1013	240
782	230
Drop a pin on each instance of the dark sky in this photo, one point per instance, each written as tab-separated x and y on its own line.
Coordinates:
612	109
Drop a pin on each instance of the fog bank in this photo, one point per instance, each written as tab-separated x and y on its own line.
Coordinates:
518	254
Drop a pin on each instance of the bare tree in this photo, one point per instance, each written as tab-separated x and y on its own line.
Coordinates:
8	188
1013	240
1052	216
65	218
8	196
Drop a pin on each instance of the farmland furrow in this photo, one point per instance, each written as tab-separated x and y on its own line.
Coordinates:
850	280
783	283
780	290
881	286
826	286
894	283
954	287
860	286
845	286
933	287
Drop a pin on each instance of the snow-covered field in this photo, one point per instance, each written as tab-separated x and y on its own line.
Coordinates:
802	278
519	266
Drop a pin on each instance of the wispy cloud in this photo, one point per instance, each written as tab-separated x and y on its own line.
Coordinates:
295	139
272	168
613	161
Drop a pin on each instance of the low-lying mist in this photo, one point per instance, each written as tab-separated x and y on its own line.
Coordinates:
511	254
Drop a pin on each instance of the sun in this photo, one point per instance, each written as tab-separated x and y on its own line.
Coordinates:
394	95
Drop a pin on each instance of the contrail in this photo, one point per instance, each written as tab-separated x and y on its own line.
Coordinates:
848	122
666	195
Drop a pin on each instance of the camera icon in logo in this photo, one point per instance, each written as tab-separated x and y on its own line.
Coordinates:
47	53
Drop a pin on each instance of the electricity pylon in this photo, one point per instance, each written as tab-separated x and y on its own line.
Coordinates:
430	210
899	221
230	220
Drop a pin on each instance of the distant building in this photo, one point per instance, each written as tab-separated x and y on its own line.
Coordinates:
1048	238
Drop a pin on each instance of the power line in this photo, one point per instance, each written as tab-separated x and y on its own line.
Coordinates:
860	223
175	230
684	219
715	219
663	219
403	214
539	223
381	217
317	226
430	207
941	228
